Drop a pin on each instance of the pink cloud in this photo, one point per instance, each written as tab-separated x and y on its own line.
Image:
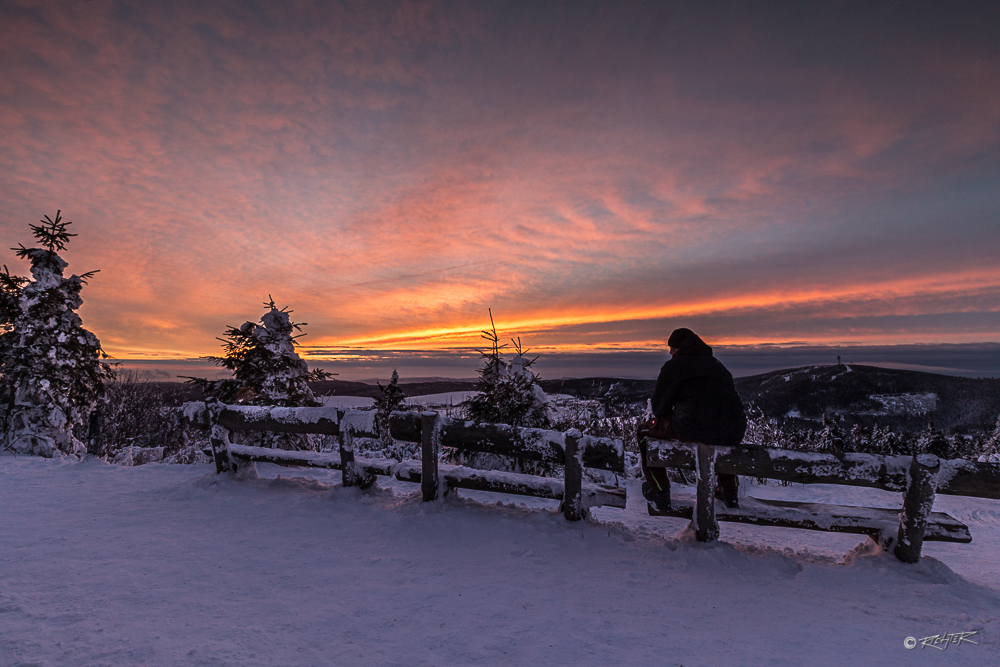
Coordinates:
398	168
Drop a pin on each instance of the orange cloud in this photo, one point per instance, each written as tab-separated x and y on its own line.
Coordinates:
391	171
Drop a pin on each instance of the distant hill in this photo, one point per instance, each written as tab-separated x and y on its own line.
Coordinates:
177	393
616	390
868	395
344	388
851	394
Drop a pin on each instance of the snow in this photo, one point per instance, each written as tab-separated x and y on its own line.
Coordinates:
906	404
194	411
358	421
173	565
448	400
346	402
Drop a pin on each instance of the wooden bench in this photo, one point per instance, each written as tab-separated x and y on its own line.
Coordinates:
903	531
571	450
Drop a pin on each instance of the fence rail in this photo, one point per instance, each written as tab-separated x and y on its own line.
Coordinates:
571	450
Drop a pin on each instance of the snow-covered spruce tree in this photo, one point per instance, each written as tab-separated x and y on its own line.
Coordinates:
989	447
509	392
830	440
53	365
932	441
966	446
886	442
762	430
10	306
266	370
392	398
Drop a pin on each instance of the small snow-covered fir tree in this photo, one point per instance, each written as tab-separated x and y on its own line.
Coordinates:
509	392
266	368
990	451
830	440
392	398
932	441
887	442
266	371
52	363
965	446
860	439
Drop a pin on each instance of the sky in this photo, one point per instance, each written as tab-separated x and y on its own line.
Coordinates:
776	176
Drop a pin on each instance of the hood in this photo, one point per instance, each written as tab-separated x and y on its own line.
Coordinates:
694	346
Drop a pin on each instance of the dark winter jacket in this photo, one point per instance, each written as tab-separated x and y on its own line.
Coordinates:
695	392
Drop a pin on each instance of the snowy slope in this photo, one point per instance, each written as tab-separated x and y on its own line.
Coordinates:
170	565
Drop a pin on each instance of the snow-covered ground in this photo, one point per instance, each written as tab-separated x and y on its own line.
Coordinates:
172	565
347	402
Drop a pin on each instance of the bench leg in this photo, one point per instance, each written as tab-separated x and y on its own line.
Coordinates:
706	528
917	504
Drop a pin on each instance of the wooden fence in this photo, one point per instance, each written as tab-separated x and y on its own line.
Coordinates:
571	450
903	531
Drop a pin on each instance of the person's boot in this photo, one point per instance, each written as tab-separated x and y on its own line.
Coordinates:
656	499
728	490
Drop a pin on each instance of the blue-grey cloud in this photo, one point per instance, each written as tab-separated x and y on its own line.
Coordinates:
393	167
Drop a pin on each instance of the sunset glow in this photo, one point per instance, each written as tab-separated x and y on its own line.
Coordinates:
597	174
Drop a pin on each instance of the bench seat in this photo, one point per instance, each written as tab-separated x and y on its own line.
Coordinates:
872	521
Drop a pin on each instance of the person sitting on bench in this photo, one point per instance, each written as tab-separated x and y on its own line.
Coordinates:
694	401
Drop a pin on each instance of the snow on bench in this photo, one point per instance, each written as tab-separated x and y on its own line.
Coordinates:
872	521
918	477
572	450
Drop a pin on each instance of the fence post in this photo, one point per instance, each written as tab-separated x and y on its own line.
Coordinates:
917	504
706	528
218	437
429	452
573	477
345	443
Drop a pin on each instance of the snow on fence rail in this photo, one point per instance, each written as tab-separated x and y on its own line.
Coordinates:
918	477
572	450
